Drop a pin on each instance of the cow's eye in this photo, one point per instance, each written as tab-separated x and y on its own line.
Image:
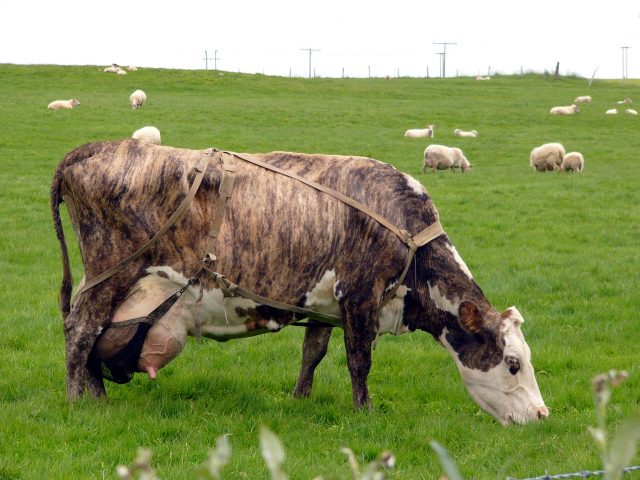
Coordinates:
513	363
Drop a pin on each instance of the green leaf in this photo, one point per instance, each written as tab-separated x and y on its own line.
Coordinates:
623	447
450	468
272	452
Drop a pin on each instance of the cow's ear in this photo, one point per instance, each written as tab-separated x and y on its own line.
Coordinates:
470	317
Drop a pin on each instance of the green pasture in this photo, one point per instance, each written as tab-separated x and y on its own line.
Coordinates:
564	248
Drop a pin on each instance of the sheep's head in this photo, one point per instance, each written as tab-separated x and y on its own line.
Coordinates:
75	101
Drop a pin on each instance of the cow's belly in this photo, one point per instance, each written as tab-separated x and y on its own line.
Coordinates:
222	318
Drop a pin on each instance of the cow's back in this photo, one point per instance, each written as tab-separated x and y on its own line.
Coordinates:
279	236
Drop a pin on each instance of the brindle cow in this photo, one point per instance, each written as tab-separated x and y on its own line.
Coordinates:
286	241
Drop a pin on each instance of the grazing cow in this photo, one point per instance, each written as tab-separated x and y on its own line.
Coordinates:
279	239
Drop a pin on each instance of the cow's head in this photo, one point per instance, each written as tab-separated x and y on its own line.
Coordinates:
495	363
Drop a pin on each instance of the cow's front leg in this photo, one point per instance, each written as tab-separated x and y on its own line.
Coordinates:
314	348
359	332
79	339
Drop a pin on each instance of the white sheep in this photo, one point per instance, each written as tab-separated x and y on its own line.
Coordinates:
631	111
63	104
421	132
626	100
147	134
482	78
568	110
583	99
427	132
441	157
132	69
461	133
611	111
547	157
573	161
137	99
121	72
112	69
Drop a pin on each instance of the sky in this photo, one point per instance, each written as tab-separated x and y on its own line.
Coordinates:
350	38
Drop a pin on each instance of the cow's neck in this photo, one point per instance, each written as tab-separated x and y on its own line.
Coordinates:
441	283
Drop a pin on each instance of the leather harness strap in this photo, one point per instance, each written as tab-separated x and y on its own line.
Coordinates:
225	190
228	288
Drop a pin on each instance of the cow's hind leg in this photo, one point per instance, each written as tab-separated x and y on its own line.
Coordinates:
79	339
314	348
359	333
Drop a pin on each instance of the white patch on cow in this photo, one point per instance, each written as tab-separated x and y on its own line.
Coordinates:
322	297
415	185
273	326
441	301
391	315
459	260
509	398
218	315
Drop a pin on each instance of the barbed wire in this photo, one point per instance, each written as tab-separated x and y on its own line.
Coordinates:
582	474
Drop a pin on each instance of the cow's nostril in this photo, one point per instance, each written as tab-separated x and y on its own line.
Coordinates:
543	412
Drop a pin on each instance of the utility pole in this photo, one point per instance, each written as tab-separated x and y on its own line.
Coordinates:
440	64
215	59
310	50
206	60
444	56
625	64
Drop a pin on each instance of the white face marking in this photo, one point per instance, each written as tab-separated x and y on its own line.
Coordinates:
322	297
509	398
459	260
390	317
441	301
415	185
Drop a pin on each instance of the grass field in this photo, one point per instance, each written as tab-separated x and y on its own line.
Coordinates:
562	247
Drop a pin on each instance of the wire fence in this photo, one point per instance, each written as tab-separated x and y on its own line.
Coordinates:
582	474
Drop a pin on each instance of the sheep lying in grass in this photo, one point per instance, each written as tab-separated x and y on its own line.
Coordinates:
421	132
137	99
547	157
440	157
583	99
568	110
147	134
573	161
611	111
631	111
479	77
626	100
63	104
461	133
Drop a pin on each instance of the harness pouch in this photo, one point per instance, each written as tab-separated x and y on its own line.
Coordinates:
117	350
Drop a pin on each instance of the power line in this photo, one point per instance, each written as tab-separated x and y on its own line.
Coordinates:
310	50
443	58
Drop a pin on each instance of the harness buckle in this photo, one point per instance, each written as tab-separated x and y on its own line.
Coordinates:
208	259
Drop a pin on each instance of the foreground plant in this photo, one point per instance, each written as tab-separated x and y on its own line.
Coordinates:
623	446
141	465
272	452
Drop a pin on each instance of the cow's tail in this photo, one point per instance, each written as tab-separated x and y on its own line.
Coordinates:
67	279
